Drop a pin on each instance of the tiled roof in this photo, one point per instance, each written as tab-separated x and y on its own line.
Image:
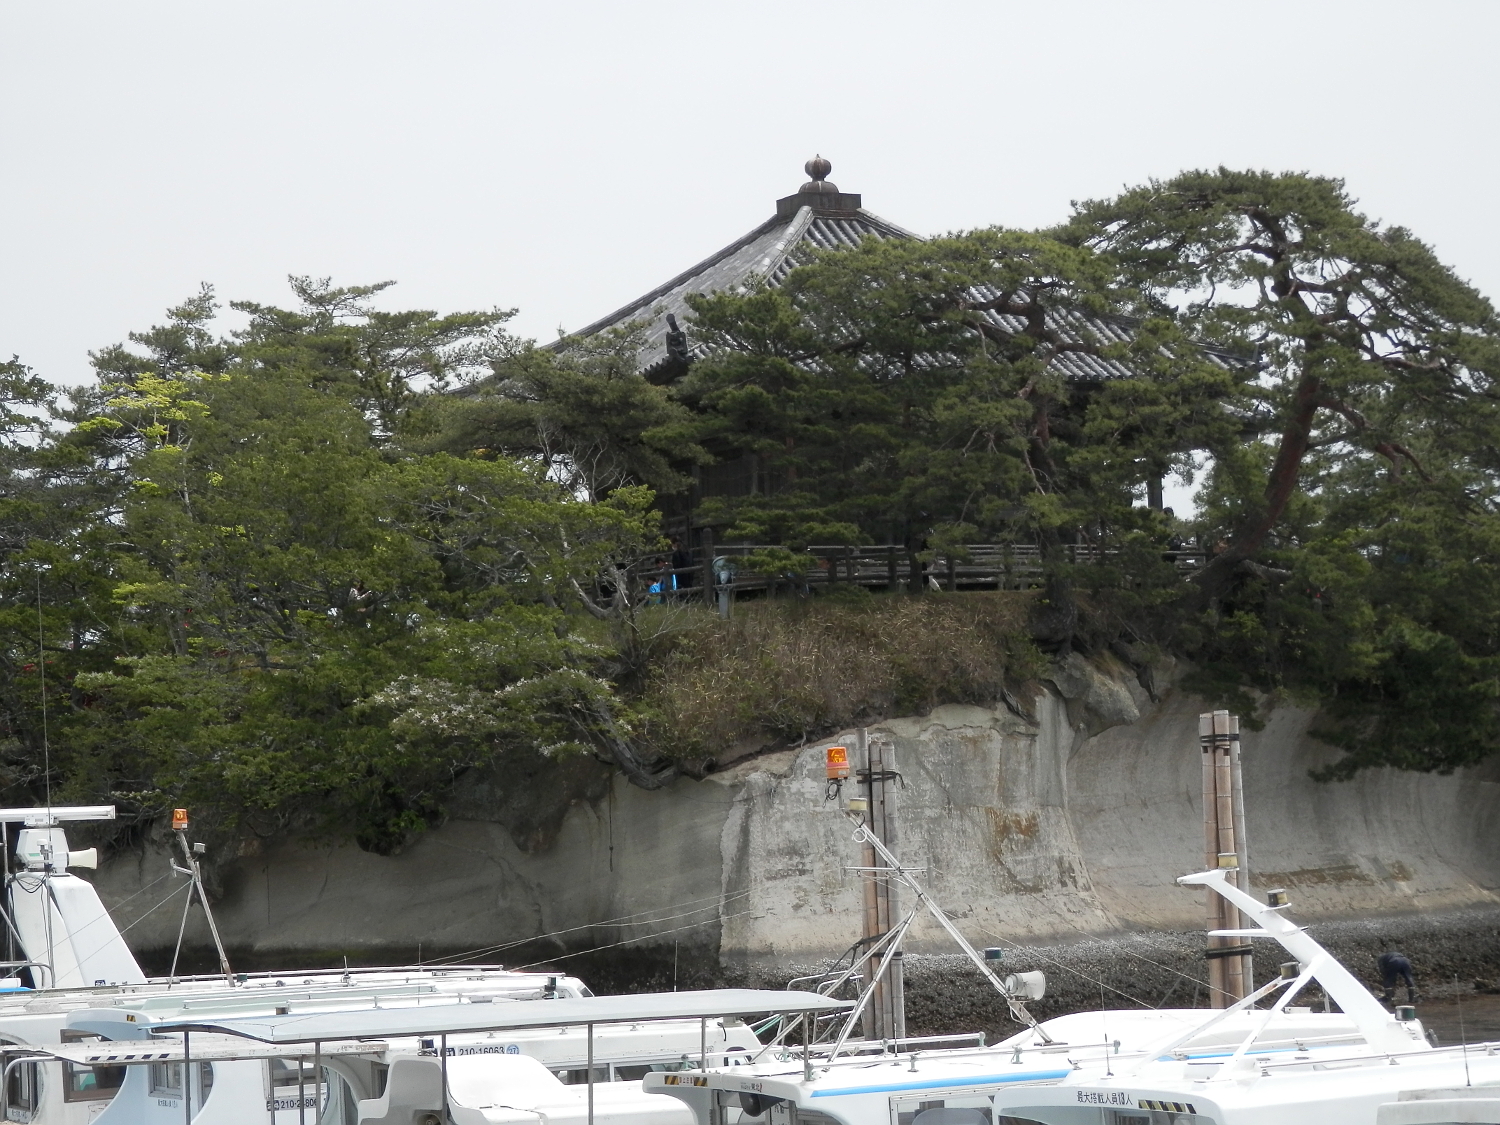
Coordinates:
769	252
811	221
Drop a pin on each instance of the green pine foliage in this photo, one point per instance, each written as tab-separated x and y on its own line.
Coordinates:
270	609
314	570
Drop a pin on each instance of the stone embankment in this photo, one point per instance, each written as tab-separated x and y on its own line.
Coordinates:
1057	822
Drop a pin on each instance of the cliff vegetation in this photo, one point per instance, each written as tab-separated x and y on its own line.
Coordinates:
317	568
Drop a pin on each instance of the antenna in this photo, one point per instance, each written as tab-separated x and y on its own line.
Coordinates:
1104	1024
1463	1036
41	671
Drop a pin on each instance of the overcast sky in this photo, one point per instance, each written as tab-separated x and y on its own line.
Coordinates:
563	158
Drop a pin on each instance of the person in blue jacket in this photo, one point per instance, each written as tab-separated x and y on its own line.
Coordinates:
1395	967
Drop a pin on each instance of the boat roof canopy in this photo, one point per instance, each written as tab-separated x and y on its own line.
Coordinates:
457	1019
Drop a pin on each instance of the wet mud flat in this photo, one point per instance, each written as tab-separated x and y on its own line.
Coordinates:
945	994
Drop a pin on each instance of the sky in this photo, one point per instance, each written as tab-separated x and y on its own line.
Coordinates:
562	158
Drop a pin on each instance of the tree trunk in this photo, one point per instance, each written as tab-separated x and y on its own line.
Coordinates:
1215	579
656	774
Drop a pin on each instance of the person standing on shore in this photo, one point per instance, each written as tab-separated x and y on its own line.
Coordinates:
1394	966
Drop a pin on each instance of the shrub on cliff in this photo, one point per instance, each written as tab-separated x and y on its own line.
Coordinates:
783	672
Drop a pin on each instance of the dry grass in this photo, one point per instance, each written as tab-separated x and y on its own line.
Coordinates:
782	671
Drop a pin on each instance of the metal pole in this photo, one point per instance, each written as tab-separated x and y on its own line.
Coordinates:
208	911
317	1082
806	1053
301	1090
1016	1008
443	1046
590	1073
187	1078
1241	844
893	951
703	1043
706	545
5	903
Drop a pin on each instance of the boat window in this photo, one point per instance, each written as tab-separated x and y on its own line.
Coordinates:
1054	1115
580	1075
632	1072
957	1109
23	1092
166	1079
1090	1115
293	1085
342	1105
88	1083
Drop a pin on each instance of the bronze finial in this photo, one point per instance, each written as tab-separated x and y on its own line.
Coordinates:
817	168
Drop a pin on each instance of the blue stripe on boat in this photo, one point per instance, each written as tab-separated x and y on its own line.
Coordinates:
987	1080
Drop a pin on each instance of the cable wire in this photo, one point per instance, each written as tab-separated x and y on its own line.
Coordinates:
712	902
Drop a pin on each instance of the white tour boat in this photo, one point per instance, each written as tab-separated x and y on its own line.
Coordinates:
1243	1065
98	992
453	1064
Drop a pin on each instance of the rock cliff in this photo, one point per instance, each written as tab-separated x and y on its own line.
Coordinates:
1067	813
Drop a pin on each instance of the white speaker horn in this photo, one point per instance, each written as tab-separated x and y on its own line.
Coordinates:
89	858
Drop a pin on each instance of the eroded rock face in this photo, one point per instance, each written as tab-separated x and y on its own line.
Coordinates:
1096	699
1068	813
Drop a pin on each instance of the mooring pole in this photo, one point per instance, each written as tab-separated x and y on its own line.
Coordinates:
872	1023
1216	991
1234	976
885	756
1241	845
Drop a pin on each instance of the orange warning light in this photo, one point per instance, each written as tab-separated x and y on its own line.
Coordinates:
179	820
837	761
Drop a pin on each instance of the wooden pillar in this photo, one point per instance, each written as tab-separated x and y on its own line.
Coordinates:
706	542
1241	841
874	1023
885	759
1230	975
1210	858
885	1015
1229	917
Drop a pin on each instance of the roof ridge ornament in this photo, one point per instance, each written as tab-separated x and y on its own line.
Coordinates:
817	169
818	193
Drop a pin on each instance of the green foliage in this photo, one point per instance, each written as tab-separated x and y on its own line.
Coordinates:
908	392
1337	377
1355	496
584	412
284	612
315	569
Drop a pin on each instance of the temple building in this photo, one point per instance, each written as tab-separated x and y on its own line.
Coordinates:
817	216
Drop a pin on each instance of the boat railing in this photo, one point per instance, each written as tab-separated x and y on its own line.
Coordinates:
1487	1048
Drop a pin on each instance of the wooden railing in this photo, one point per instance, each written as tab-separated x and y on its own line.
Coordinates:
984	566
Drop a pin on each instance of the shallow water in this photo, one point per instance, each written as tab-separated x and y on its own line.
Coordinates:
1473	1018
